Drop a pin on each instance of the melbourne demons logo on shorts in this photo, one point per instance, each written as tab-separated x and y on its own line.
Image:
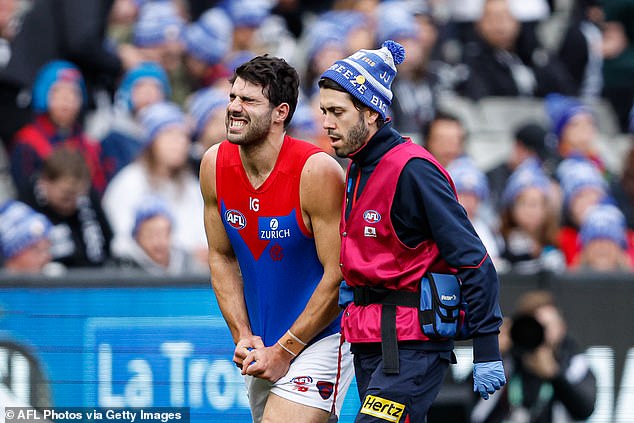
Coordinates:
235	219
302	383
372	216
325	388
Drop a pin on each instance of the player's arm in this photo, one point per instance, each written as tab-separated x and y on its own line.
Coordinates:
223	264
321	196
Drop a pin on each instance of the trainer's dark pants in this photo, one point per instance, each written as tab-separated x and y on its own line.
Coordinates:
415	387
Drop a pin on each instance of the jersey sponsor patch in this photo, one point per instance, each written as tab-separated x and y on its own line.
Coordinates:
272	228
382	408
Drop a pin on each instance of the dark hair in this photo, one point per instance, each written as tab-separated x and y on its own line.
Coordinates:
441	115
332	85
278	79
65	162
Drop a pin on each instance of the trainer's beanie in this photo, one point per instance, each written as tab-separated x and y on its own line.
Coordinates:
203	104
25	231
528	175
144	70
368	75
604	221
158	23
159	116
467	178
209	38
50	74
148	208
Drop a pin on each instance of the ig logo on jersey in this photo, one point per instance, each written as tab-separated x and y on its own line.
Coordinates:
371	216
235	219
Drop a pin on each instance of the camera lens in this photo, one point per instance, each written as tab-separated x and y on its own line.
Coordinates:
526	333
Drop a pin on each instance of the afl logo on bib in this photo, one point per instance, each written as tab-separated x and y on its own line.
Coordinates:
235	219
371	216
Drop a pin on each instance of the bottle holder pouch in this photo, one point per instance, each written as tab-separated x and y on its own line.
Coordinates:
442	311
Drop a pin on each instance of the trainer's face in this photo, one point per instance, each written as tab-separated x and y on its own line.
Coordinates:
348	128
249	114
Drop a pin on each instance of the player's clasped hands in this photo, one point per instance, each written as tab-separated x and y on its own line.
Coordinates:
244	346
253	358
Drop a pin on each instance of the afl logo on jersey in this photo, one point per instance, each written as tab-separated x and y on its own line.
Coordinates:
371	216
235	219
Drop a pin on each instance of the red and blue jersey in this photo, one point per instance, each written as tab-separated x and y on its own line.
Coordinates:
275	250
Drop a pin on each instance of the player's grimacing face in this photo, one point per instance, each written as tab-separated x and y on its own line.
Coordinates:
345	124
249	112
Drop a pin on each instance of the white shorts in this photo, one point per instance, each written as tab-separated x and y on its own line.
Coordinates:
318	377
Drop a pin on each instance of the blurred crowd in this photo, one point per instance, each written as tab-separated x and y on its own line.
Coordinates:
108	105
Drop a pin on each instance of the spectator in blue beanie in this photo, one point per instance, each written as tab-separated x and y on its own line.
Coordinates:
142	86
473	193
154	250
207	109
158	34
530	222
575	127
162	169
604	241
59	95
24	239
207	43
582	186
247	16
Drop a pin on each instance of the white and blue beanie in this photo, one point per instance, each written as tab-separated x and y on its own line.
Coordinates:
604	221
248	13
202	105
528	175
158	23
368	75
159	116
396	21
561	109
148	208
209	38
468	178
577	173
26	228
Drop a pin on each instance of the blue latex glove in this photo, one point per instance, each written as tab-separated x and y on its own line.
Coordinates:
346	295
488	377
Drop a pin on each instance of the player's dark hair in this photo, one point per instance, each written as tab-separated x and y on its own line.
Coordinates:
332	85
278	79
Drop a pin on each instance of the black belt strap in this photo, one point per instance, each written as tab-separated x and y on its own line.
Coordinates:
389	343
388	299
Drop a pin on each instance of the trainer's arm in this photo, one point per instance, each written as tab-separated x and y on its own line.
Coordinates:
223	264
321	196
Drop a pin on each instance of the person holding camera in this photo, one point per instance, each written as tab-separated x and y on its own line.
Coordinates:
548	378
